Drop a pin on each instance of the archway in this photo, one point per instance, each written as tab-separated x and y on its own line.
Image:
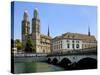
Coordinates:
49	60
55	61
65	63
87	63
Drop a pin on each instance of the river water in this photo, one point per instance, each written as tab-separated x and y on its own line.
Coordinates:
33	67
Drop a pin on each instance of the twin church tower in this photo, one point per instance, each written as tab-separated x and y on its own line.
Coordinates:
42	42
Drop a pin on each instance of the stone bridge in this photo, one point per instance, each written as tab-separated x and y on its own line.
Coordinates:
79	59
69	60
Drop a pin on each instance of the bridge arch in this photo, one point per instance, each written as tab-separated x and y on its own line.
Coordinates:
65	62
49	60
87	63
55	61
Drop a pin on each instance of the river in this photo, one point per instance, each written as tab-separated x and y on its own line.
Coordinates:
33	67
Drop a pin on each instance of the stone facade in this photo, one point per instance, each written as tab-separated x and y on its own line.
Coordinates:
25	29
42	42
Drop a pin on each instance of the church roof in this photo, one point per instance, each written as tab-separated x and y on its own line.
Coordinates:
77	36
45	36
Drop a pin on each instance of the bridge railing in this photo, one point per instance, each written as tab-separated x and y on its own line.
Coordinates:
30	54
81	51
70	52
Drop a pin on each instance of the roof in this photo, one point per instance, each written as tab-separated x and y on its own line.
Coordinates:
76	36
45	36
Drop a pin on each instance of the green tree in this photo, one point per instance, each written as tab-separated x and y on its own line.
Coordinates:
30	46
12	45
18	44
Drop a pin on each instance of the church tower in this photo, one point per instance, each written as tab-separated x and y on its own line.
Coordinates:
25	28
48	31
36	30
89	34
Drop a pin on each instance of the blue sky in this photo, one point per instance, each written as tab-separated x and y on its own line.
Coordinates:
61	18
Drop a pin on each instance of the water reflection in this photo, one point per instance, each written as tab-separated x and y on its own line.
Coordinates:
31	67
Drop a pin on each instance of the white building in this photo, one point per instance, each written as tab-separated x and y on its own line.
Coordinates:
73	41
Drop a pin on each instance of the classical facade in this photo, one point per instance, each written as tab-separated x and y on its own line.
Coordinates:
73	41
42	42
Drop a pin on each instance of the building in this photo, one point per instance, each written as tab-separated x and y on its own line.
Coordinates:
73	41
45	44
42	42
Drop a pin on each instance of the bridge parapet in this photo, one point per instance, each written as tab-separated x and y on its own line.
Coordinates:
30	55
72	58
75	52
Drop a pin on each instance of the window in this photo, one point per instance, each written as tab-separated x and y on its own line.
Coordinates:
57	46
43	51
72	45
61	45
72	41
77	45
77	41
68	45
67	41
61	42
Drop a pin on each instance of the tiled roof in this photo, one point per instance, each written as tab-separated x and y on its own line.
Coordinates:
45	36
77	36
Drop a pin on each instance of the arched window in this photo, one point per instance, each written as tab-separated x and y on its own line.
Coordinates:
72	45
68	45
77	45
43	51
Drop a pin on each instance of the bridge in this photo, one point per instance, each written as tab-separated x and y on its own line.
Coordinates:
78	59
69	60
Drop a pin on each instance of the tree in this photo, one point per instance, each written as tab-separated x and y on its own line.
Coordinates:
18	44
30	46
12	45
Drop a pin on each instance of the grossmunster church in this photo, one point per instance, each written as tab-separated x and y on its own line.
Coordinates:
42	42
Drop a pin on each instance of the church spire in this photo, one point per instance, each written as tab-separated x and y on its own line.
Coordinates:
89	34
35	22
36	14
48	31
25	17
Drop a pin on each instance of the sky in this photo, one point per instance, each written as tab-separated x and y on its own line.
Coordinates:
60	18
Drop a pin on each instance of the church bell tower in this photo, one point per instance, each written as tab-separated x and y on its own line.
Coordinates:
36	29
25	28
